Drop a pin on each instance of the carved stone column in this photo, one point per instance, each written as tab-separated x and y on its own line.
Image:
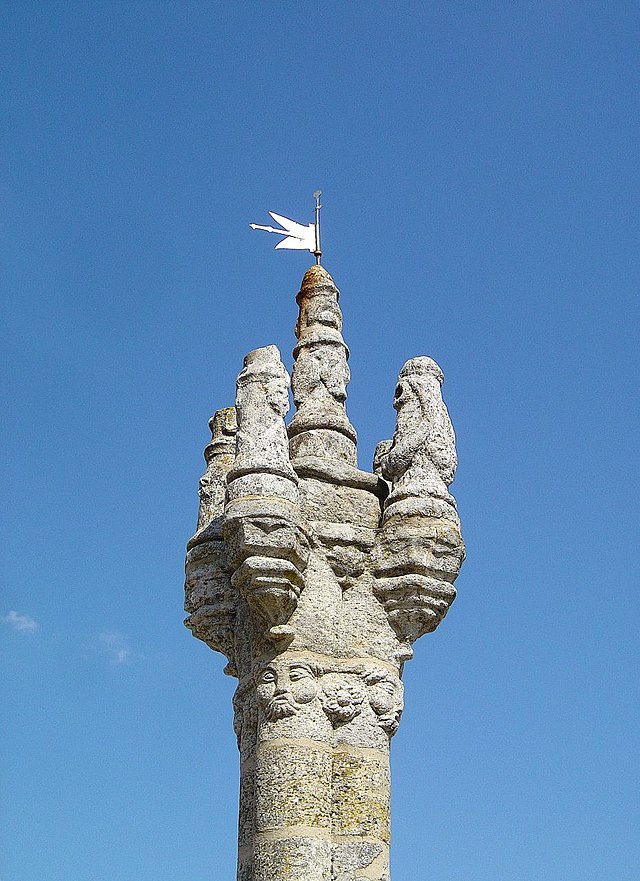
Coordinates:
314	584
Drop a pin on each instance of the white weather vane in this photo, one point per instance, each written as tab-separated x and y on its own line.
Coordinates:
297	236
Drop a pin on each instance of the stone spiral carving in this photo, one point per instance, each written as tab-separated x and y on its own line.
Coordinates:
313	578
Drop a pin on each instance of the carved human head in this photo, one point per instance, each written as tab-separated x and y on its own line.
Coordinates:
419	379
321	309
385	693
265	376
284	685
223	423
223	427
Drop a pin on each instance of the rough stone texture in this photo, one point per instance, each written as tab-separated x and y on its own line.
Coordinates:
314	578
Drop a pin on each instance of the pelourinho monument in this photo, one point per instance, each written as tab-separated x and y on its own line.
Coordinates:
314	579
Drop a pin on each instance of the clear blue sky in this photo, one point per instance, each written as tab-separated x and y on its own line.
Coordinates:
479	163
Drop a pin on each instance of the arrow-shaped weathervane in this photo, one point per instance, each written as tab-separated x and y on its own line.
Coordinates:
297	236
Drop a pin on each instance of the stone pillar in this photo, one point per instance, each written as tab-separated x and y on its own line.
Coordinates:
314	578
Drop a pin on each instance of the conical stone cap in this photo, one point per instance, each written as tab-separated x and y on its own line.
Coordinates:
320	318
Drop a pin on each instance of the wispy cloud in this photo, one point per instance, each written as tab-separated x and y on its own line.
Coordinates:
22	623
114	645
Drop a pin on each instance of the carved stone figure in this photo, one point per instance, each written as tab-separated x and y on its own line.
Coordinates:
313	578
419	549
209	596
219	456
321	374
421	462
262	466
267	549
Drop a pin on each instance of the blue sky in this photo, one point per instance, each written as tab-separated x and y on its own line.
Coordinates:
479	164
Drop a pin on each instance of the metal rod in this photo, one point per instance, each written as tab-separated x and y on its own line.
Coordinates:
318	250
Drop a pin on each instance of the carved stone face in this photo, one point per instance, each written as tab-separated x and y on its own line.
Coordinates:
335	373
321	368
347	563
416	391
438	556
276	391
223	424
269	537
252	530
413	556
385	694
283	686
408	400
320	310
400	395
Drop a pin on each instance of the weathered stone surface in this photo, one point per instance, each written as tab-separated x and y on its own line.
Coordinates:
293	787
419	548
320	426
360	860
314	577
296	858
361	794
209	596
219	456
421	461
267	549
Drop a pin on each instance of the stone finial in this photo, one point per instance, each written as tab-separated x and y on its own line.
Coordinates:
419	550
219	455
315	587
266	546
210	598
320	428
421	462
262	446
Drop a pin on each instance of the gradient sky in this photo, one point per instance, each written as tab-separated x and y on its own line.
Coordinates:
479	165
